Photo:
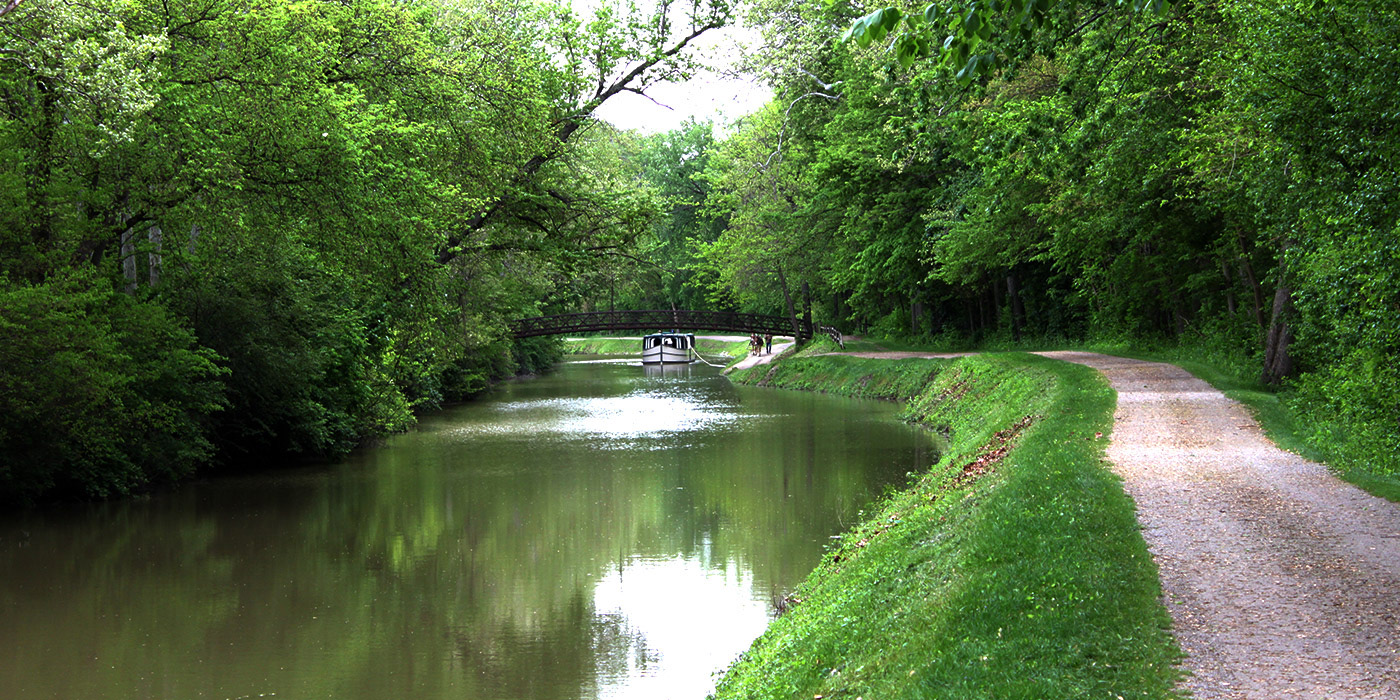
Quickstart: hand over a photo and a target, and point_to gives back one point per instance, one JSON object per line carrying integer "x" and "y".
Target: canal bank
{"x": 713, "y": 347}
{"x": 1012, "y": 568}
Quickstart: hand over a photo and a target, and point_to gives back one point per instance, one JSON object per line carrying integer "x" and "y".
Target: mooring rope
{"x": 702, "y": 359}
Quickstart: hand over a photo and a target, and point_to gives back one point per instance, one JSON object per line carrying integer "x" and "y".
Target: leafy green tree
{"x": 620, "y": 49}
{"x": 100, "y": 394}
{"x": 343, "y": 203}
{"x": 763, "y": 255}
{"x": 972, "y": 40}
{"x": 1322, "y": 163}
{"x": 674, "y": 164}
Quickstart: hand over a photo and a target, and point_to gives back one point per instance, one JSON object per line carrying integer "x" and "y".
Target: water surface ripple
{"x": 605, "y": 531}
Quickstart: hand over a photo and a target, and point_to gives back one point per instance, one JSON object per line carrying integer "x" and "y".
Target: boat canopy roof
{"x": 675, "y": 340}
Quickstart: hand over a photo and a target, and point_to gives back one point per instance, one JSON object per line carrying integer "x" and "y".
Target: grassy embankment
{"x": 1014, "y": 568}
{"x": 1235, "y": 375}
{"x": 709, "y": 347}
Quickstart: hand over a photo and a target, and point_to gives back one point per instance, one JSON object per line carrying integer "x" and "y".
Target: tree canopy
{"x": 1214, "y": 174}
{"x": 234, "y": 232}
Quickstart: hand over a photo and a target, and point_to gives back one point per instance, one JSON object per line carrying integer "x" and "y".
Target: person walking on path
{"x": 768, "y": 344}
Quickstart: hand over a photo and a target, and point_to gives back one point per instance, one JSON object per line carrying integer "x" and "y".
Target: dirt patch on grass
{"x": 990, "y": 455}
{"x": 1282, "y": 580}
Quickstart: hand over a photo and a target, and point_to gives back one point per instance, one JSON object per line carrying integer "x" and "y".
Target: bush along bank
{"x": 1014, "y": 568}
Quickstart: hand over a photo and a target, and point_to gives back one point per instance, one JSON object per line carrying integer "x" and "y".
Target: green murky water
{"x": 607, "y": 531}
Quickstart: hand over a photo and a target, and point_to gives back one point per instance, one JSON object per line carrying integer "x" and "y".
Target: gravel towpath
{"x": 1282, "y": 580}
{"x": 755, "y": 360}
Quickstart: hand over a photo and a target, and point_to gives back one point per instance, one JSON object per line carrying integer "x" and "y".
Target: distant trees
{"x": 270, "y": 230}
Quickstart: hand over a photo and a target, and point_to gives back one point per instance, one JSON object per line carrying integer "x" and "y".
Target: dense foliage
{"x": 1217, "y": 174}
{"x": 233, "y": 232}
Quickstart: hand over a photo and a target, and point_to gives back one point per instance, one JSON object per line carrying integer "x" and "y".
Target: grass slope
{"x": 709, "y": 347}
{"x": 1012, "y": 569}
{"x": 894, "y": 380}
{"x": 1233, "y": 373}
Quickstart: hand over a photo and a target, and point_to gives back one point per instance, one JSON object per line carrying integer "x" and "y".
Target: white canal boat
{"x": 668, "y": 348}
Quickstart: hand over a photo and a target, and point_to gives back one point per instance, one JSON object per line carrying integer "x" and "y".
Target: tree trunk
{"x": 1278, "y": 361}
{"x": 128, "y": 258}
{"x": 1257, "y": 300}
{"x": 1229, "y": 288}
{"x": 1251, "y": 281}
{"x": 807, "y": 308}
{"x": 996, "y": 306}
{"x": 916, "y": 317}
{"x": 41, "y": 165}
{"x": 1018, "y": 311}
{"x": 982, "y": 319}
{"x": 153, "y": 260}
{"x": 787, "y": 297}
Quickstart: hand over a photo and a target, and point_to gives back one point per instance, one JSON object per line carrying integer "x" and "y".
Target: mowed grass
{"x": 895, "y": 380}
{"x": 1233, "y": 373}
{"x": 1014, "y": 568}
{"x": 708, "y": 347}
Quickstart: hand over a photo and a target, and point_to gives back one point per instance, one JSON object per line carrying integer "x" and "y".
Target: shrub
{"x": 1352, "y": 410}
{"x": 100, "y": 394}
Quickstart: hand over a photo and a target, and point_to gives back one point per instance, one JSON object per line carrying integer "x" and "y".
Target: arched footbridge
{"x": 660, "y": 319}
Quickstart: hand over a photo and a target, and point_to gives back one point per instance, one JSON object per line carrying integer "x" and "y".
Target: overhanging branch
{"x": 564, "y": 129}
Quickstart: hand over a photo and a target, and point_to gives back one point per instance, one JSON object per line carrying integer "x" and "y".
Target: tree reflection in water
{"x": 595, "y": 533}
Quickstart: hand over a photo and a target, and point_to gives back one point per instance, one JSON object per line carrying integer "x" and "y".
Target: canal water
{"x": 605, "y": 531}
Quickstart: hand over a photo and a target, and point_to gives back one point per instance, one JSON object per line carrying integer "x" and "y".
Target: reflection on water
{"x": 601, "y": 532}
{"x": 667, "y": 370}
{"x": 673, "y": 606}
{"x": 613, "y": 422}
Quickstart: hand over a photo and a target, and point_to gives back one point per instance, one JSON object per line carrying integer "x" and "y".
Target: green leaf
{"x": 889, "y": 18}
{"x": 972, "y": 22}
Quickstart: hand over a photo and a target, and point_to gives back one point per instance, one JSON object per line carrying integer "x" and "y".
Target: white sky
{"x": 708, "y": 96}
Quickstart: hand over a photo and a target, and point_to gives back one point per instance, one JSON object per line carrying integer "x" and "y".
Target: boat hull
{"x": 666, "y": 355}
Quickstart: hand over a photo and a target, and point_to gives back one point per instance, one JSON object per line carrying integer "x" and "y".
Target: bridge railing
{"x": 835, "y": 335}
{"x": 658, "y": 319}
